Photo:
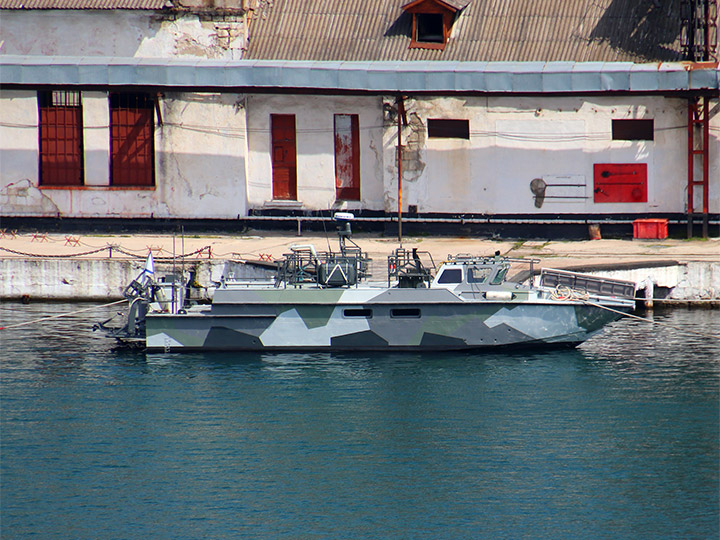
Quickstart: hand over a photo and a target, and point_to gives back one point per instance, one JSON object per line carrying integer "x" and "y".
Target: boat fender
{"x": 499, "y": 295}
{"x": 162, "y": 299}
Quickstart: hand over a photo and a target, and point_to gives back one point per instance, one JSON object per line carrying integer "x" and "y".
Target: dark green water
{"x": 617, "y": 439}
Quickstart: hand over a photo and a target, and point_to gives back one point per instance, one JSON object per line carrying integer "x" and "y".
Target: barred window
{"x": 61, "y": 138}
{"x": 132, "y": 146}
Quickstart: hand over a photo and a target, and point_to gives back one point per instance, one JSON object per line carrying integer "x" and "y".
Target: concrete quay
{"x": 97, "y": 267}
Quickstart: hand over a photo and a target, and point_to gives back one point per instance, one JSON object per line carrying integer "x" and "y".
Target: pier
{"x": 58, "y": 267}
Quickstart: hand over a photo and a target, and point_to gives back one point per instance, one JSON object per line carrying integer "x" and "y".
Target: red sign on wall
{"x": 620, "y": 182}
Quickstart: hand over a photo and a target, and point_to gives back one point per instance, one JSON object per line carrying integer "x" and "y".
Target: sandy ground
{"x": 269, "y": 246}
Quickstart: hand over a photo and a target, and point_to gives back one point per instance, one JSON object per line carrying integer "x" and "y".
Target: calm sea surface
{"x": 616, "y": 439}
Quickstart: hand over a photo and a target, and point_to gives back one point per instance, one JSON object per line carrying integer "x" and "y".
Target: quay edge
{"x": 667, "y": 283}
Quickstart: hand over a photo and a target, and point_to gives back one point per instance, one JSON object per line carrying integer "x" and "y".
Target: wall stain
{"x": 24, "y": 194}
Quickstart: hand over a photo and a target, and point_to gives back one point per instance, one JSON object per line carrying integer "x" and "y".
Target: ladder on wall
{"x": 698, "y": 164}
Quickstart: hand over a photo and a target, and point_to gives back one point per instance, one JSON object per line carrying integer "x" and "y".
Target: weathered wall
{"x": 558, "y": 139}
{"x": 66, "y": 279}
{"x": 213, "y": 156}
{"x": 126, "y": 33}
{"x": 314, "y": 125}
{"x": 200, "y": 161}
{"x": 105, "y": 279}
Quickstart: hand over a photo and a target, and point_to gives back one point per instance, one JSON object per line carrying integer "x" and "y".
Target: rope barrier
{"x": 61, "y": 315}
{"x": 181, "y": 256}
{"x": 36, "y": 255}
{"x": 111, "y": 250}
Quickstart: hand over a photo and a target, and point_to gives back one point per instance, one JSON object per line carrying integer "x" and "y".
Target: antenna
{"x": 182, "y": 263}
{"x": 327, "y": 236}
{"x": 174, "y": 275}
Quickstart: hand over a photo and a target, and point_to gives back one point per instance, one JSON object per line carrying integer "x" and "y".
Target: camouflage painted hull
{"x": 374, "y": 319}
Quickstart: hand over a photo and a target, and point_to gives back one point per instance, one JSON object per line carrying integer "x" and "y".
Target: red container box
{"x": 650, "y": 228}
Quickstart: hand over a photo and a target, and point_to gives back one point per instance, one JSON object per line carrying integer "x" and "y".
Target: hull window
{"x": 359, "y": 313}
{"x": 405, "y": 313}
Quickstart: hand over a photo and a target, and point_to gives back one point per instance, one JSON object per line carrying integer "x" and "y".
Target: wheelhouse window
{"x": 500, "y": 276}
{"x": 61, "y": 138}
{"x": 132, "y": 147}
{"x": 451, "y": 275}
{"x": 479, "y": 274}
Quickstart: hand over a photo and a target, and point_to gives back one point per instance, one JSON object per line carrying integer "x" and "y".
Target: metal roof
{"x": 85, "y": 4}
{"x": 359, "y": 77}
{"x": 485, "y": 30}
{"x": 455, "y": 4}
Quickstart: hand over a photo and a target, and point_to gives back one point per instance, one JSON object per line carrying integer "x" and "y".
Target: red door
{"x": 347, "y": 157}
{"x": 284, "y": 156}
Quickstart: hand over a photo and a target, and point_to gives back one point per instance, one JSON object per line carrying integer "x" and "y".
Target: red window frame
{"x": 60, "y": 138}
{"x": 132, "y": 139}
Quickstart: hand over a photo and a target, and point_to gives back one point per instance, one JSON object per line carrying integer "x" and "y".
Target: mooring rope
{"x": 61, "y": 315}
{"x": 563, "y": 292}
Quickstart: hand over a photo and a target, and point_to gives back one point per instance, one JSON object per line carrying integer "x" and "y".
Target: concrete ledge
{"x": 66, "y": 279}
{"x": 60, "y": 279}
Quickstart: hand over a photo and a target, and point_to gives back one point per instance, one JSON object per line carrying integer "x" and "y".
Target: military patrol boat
{"x": 327, "y": 302}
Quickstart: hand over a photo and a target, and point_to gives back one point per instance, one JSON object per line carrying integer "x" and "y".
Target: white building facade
{"x": 197, "y": 140}
{"x": 163, "y": 119}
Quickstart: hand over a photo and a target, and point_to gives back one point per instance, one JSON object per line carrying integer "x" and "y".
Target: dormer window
{"x": 432, "y": 21}
{"x": 429, "y": 28}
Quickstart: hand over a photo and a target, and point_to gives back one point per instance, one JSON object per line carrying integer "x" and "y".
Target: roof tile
{"x": 84, "y": 4}
{"x": 487, "y": 30}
